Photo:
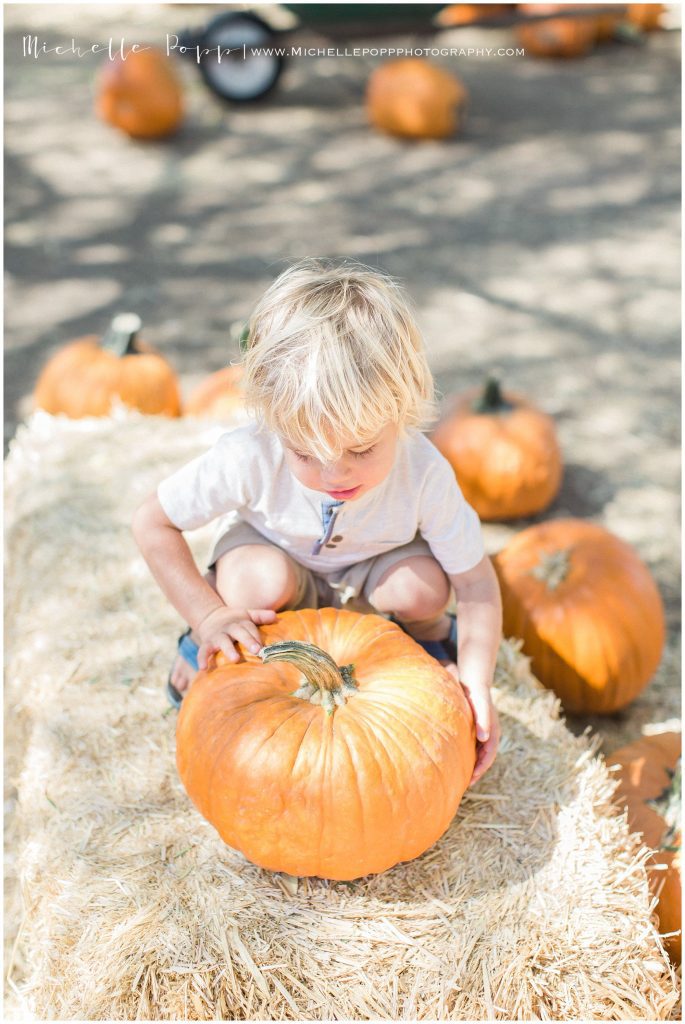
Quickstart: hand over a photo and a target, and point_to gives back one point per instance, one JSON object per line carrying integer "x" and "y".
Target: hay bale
{"x": 534, "y": 905}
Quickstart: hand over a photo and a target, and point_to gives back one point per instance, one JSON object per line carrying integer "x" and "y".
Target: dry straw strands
{"x": 534, "y": 905}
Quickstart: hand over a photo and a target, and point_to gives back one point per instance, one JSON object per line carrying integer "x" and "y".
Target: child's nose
{"x": 335, "y": 472}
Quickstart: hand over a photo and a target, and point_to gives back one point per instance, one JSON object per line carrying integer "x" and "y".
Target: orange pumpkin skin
{"x": 557, "y": 37}
{"x": 645, "y": 774}
{"x": 141, "y": 95}
{"x": 413, "y": 99}
{"x": 596, "y": 632}
{"x": 645, "y": 16}
{"x": 506, "y": 459}
{"x": 467, "y": 14}
{"x": 336, "y": 795}
{"x": 218, "y": 397}
{"x": 83, "y": 379}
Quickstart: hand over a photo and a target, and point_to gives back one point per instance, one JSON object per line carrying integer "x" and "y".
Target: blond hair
{"x": 334, "y": 351}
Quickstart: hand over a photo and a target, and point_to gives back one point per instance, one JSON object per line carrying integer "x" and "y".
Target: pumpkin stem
{"x": 491, "y": 401}
{"x": 324, "y": 682}
{"x": 553, "y": 568}
{"x": 120, "y": 337}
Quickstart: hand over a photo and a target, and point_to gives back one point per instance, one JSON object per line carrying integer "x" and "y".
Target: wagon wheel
{"x": 239, "y": 76}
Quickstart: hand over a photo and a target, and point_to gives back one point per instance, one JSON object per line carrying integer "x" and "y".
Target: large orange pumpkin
{"x": 218, "y": 397}
{"x": 588, "y": 611}
{"x": 503, "y": 450}
{"x": 650, "y": 791}
{"x": 556, "y": 37}
{"x": 87, "y": 375}
{"x": 414, "y": 99}
{"x": 141, "y": 95}
{"x": 341, "y": 751}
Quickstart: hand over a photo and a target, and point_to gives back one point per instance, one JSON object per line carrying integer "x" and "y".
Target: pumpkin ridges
{"x": 82, "y": 379}
{"x": 507, "y": 463}
{"x": 589, "y": 612}
{"x": 290, "y": 771}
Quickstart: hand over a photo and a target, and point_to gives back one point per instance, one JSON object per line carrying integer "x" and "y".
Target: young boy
{"x": 331, "y": 496}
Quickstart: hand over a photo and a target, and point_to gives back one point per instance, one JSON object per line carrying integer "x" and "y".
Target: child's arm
{"x": 173, "y": 566}
{"x": 479, "y": 618}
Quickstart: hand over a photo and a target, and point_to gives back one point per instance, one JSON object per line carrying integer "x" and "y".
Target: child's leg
{"x": 416, "y": 591}
{"x": 249, "y": 576}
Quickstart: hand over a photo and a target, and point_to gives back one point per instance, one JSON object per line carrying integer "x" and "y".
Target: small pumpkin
{"x": 645, "y": 16}
{"x": 218, "y": 397}
{"x": 340, "y": 751}
{"x": 87, "y": 375}
{"x": 588, "y": 611}
{"x": 503, "y": 450}
{"x": 556, "y": 37}
{"x": 140, "y": 94}
{"x": 650, "y": 791}
{"x": 413, "y": 99}
{"x": 468, "y": 14}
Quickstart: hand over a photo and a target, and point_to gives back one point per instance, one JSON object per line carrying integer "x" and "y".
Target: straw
{"x": 127, "y": 905}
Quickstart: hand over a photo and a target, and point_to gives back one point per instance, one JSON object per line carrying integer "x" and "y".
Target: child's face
{"x": 363, "y": 466}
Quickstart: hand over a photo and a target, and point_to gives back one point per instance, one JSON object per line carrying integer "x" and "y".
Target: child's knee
{"x": 256, "y": 576}
{"x": 413, "y": 590}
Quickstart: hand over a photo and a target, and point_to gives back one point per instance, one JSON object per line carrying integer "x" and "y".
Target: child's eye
{"x": 303, "y": 458}
{"x": 366, "y": 452}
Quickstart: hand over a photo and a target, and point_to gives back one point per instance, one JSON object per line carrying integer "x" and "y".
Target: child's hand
{"x": 224, "y": 625}
{"x": 487, "y": 724}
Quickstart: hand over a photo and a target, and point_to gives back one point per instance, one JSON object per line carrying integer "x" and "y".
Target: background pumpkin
{"x": 588, "y": 611}
{"x": 371, "y": 778}
{"x": 650, "y": 791}
{"x": 645, "y": 16}
{"x": 218, "y": 397}
{"x": 556, "y": 37}
{"x": 503, "y": 450}
{"x": 84, "y": 377}
{"x": 414, "y": 99}
{"x": 141, "y": 95}
{"x": 467, "y": 14}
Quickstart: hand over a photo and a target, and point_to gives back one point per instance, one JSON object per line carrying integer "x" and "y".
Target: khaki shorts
{"x": 349, "y": 588}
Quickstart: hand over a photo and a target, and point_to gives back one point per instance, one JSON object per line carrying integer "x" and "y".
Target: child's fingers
{"x": 262, "y": 615}
{"x": 203, "y": 653}
{"x": 226, "y": 645}
{"x": 248, "y": 635}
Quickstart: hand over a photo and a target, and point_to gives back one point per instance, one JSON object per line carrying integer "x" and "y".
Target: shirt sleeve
{"x": 208, "y": 486}
{"x": 447, "y": 522}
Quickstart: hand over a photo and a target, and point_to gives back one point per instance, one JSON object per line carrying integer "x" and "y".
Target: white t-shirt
{"x": 245, "y": 475}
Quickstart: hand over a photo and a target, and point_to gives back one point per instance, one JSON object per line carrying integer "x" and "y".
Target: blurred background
{"x": 539, "y": 238}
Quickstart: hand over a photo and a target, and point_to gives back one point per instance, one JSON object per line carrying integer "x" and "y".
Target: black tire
{"x": 239, "y": 77}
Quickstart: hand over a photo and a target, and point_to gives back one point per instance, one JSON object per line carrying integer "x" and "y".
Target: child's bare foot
{"x": 183, "y": 669}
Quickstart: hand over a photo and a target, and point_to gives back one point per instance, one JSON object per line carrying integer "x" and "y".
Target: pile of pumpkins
{"x": 141, "y": 94}
{"x": 411, "y": 98}
{"x": 586, "y": 607}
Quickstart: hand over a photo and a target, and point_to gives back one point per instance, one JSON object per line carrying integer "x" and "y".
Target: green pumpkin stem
{"x": 324, "y": 682}
{"x": 491, "y": 400}
{"x": 553, "y": 568}
{"x": 121, "y": 335}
